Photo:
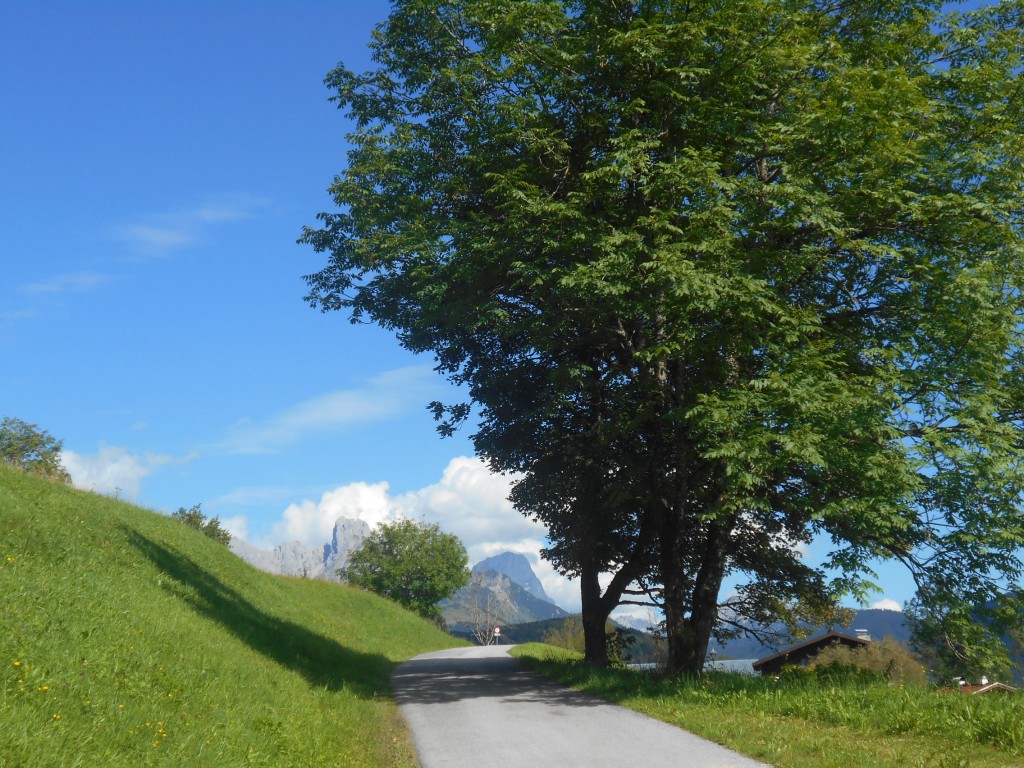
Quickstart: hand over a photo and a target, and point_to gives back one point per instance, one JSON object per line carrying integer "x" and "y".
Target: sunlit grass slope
{"x": 128, "y": 639}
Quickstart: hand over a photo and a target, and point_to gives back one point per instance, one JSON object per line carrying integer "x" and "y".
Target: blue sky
{"x": 159, "y": 161}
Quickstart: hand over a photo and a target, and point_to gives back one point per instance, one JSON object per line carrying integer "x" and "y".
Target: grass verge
{"x": 812, "y": 722}
{"x": 129, "y": 639}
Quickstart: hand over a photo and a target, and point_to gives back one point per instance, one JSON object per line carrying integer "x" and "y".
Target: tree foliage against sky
{"x": 32, "y": 449}
{"x": 719, "y": 278}
{"x": 415, "y": 564}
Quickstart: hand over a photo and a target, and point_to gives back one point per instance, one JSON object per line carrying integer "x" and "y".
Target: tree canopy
{"x": 415, "y": 564}
{"x": 31, "y": 449}
{"x": 720, "y": 278}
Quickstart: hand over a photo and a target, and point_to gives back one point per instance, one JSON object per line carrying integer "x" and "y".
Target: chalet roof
{"x": 974, "y": 690}
{"x": 809, "y": 647}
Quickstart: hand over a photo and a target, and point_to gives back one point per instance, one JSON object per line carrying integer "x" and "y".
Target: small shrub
{"x": 568, "y": 634}
{"x": 619, "y": 643}
{"x": 194, "y": 518}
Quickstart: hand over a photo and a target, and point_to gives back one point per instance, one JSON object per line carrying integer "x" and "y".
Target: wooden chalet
{"x": 801, "y": 654}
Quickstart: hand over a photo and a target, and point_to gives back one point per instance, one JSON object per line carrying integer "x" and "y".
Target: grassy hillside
{"x": 128, "y": 639}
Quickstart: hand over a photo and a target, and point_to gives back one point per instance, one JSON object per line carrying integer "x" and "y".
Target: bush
{"x": 194, "y": 518}
{"x": 886, "y": 658}
{"x": 569, "y": 635}
{"x": 26, "y": 447}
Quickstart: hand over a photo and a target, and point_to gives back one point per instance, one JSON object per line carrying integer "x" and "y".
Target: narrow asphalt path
{"x": 480, "y": 707}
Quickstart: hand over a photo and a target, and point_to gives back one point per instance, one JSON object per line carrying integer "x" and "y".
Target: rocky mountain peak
{"x": 516, "y": 567}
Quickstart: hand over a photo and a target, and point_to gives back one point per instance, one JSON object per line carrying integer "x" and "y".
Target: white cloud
{"x": 237, "y": 526}
{"x": 9, "y": 318}
{"x": 382, "y": 397}
{"x": 312, "y": 523}
{"x": 71, "y": 282}
{"x": 887, "y": 605}
{"x": 159, "y": 234}
{"x": 637, "y": 616}
{"x": 468, "y": 501}
{"x": 256, "y": 494}
{"x": 472, "y": 502}
{"x": 112, "y": 470}
{"x": 153, "y": 240}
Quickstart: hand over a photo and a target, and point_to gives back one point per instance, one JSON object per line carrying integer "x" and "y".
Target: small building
{"x": 971, "y": 689}
{"x": 801, "y": 654}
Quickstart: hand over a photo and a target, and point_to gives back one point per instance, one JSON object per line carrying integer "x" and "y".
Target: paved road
{"x": 478, "y": 707}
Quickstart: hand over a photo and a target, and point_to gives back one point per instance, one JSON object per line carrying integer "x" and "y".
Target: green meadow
{"x": 814, "y": 721}
{"x": 129, "y": 639}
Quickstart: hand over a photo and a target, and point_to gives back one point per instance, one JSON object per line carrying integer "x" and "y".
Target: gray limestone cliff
{"x": 295, "y": 559}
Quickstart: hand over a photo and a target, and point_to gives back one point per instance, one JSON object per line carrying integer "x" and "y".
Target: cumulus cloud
{"x": 468, "y": 500}
{"x": 382, "y": 397}
{"x": 887, "y": 605}
{"x": 112, "y": 470}
{"x": 312, "y": 522}
{"x": 237, "y": 526}
{"x": 472, "y": 502}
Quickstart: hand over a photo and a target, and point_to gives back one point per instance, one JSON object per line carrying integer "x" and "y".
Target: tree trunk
{"x": 595, "y": 617}
{"x": 597, "y": 605}
{"x": 689, "y": 636}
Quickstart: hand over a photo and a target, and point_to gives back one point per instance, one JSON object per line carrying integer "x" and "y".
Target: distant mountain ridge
{"x": 503, "y": 591}
{"x": 492, "y": 598}
{"x": 879, "y": 624}
{"x": 295, "y": 559}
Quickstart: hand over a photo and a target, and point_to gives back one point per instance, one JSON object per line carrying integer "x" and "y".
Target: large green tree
{"x": 719, "y": 277}
{"x": 415, "y": 564}
{"x": 32, "y": 449}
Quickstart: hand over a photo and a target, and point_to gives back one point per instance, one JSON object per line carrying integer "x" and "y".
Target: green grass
{"x": 129, "y": 639}
{"x": 812, "y": 722}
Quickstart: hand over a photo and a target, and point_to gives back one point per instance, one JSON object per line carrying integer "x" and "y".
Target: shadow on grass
{"x": 323, "y": 662}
